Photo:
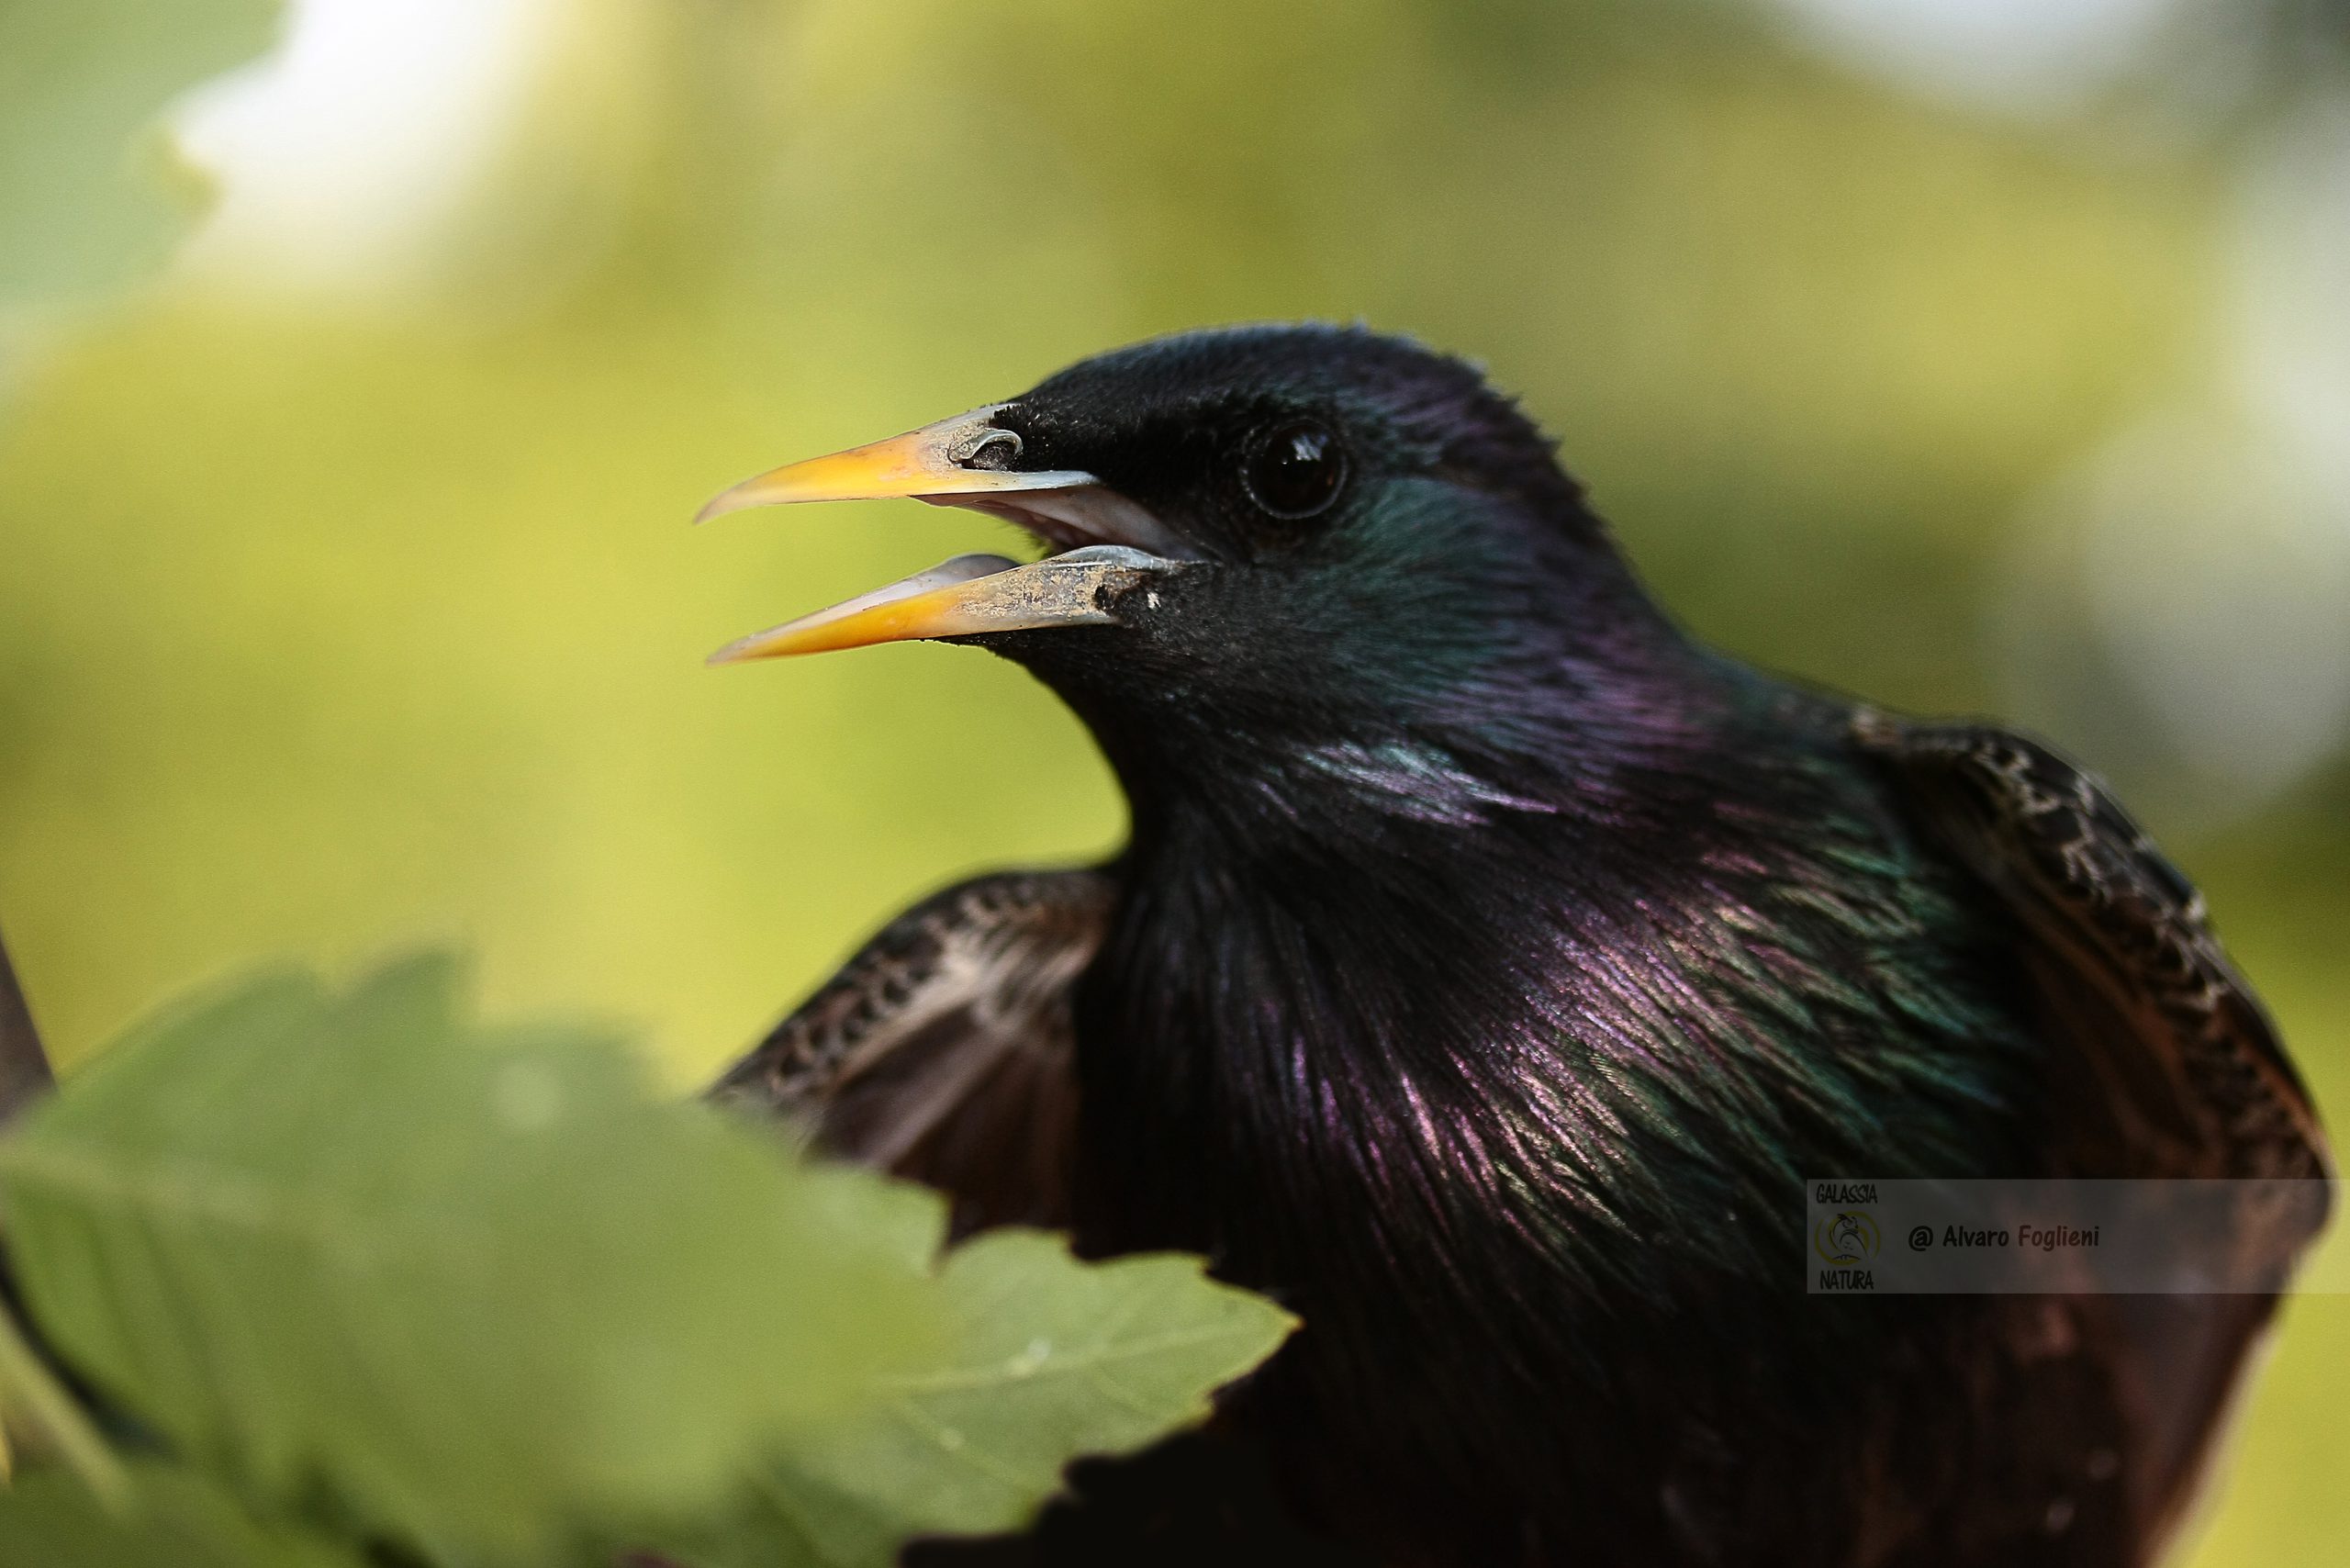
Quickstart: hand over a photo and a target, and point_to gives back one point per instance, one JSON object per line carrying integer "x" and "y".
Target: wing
{"x": 2166, "y": 1065}
{"x": 944, "y": 1051}
{"x": 2121, "y": 951}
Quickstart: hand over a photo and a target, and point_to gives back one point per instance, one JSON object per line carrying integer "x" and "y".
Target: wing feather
{"x": 2169, "y": 1023}
{"x": 943, "y": 1050}
{"x": 2167, "y": 1064}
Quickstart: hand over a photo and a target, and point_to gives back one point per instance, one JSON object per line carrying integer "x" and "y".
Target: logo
{"x": 1847, "y": 1238}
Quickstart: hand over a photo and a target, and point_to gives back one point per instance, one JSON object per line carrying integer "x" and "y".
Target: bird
{"x": 1490, "y": 965}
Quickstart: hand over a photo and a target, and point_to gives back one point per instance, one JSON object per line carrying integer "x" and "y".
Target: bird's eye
{"x": 1294, "y": 469}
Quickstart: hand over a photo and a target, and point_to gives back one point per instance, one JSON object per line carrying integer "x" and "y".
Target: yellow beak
{"x": 967, "y": 595}
{"x": 961, "y": 462}
{"x": 967, "y": 455}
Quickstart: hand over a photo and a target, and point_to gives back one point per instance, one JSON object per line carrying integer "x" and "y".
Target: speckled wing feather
{"x": 2167, "y": 1065}
{"x": 2212, "y": 1091}
{"x": 943, "y": 1050}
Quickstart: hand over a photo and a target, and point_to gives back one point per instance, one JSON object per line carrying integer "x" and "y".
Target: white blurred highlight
{"x": 2208, "y": 547}
{"x": 2216, "y": 571}
{"x": 2022, "y": 55}
{"x": 343, "y": 156}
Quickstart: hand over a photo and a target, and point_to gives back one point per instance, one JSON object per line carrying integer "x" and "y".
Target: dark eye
{"x": 1294, "y": 468}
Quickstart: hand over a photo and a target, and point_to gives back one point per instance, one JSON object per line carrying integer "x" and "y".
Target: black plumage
{"x": 1489, "y": 966}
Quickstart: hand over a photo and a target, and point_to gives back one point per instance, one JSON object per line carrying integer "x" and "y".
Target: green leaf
{"x": 84, "y": 200}
{"x": 1050, "y": 1358}
{"x": 35, "y": 1404}
{"x": 485, "y": 1285}
{"x": 481, "y": 1289}
{"x": 174, "y": 1520}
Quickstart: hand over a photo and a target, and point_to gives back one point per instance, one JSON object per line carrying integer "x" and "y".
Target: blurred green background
{"x": 1971, "y": 355}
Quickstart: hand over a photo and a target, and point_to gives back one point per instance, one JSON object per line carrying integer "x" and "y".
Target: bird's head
{"x": 1296, "y": 537}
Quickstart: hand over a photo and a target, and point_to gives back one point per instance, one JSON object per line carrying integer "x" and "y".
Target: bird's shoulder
{"x": 2107, "y": 911}
{"x": 2164, "y": 1066}
{"x": 943, "y": 1050}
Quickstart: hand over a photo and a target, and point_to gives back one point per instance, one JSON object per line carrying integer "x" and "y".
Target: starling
{"x": 1490, "y": 965}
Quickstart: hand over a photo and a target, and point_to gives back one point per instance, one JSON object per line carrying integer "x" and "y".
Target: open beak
{"x": 1106, "y": 544}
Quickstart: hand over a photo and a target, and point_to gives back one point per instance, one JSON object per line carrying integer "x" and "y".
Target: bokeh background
{"x": 1976, "y": 355}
